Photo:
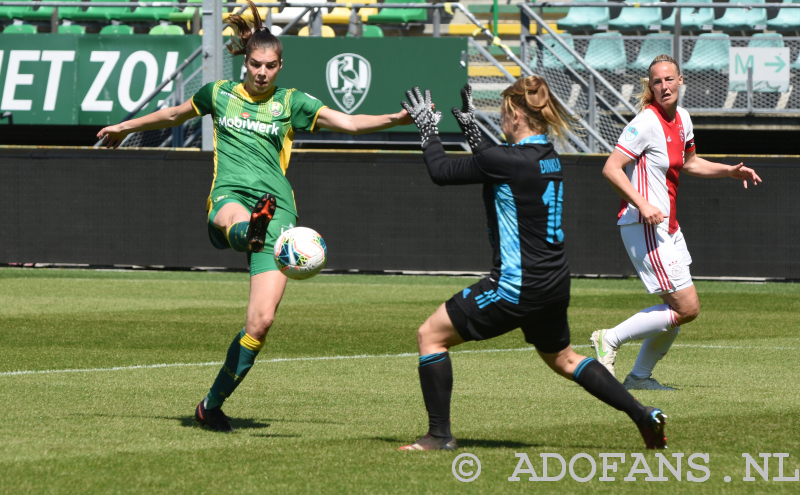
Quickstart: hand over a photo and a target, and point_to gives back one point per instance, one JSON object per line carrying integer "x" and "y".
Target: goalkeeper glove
{"x": 466, "y": 120}
{"x": 421, "y": 111}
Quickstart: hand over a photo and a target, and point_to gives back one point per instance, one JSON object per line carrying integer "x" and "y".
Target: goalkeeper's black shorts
{"x": 478, "y": 313}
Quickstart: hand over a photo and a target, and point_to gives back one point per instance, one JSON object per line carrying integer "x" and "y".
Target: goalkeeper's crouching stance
{"x": 528, "y": 287}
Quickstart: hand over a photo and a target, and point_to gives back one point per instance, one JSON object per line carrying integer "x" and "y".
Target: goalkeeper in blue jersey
{"x": 529, "y": 283}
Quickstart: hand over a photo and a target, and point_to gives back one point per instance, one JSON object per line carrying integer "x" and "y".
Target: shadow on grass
{"x": 313, "y": 421}
{"x": 236, "y": 423}
{"x": 470, "y": 442}
{"x": 268, "y": 435}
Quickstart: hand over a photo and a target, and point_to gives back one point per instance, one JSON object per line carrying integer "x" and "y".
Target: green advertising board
{"x": 371, "y": 75}
{"x": 98, "y": 80}
{"x": 88, "y": 79}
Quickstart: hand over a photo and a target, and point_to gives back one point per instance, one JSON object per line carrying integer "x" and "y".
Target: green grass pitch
{"x": 95, "y": 414}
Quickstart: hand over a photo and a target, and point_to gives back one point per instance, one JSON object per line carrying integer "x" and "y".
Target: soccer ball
{"x": 300, "y": 253}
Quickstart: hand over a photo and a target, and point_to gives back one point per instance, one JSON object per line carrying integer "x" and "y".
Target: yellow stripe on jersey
{"x": 314, "y": 128}
{"x": 218, "y": 84}
{"x": 253, "y": 99}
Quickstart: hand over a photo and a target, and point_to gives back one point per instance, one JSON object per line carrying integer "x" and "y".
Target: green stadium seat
{"x": 766, "y": 40}
{"x": 633, "y": 19}
{"x": 399, "y": 16}
{"x": 655, "y": 44}
{"x": 741, "y": 19}
{"x": 710, "y": 53}
{"x": 46, "y": 13}
{"x": 167, "y": 29}
{"x": 150, "y": 14}
{"x": 20, "y": 29}
{"x": 549, "y": 61}
{"x": 787, "y": 20}
{"x": 187, "y": 14}
{"x": 101, "y": 14}
{"x": 691, "y": 19}
{"x": 71, "y": 29}
{"x": 606, "y": 51}
{"x": 585, "y": 18}
{"x": 368, "y": 31}
{"x": 116, "y": 29}
{"x": 14, "y": 12}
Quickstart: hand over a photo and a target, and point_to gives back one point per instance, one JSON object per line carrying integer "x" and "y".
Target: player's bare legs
{"x": 437, "y": 334}
{"x": 266, "y": 292}
{"x": 435, "y": 337}
{"x": 684, "y": 303}
{"x": 563, "y": 362}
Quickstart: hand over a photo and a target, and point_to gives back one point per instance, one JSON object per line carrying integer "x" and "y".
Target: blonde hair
{"x": 645, "y": 97}
{"x": 541, "y": 111}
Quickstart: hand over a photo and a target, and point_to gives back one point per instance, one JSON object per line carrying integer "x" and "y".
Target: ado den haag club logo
{"x": 348, "y": 76}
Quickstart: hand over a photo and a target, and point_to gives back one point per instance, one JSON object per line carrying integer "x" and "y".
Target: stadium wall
{"x": 376, "y": 211}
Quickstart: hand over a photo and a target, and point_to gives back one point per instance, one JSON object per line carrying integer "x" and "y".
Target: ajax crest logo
{"x": 348, "y": 76}
{"x": 275, "y": 108}
{"x": 683, "y": 138}
{"x": 631, "y": 133}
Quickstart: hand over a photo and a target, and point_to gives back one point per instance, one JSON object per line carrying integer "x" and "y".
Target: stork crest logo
{"x": 348, "y": 76}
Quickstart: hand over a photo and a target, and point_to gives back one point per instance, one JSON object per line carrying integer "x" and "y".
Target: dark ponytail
{"x": 260, "y": 38}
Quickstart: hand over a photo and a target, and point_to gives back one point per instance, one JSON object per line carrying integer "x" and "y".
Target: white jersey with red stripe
{"x": 658, "y": 147}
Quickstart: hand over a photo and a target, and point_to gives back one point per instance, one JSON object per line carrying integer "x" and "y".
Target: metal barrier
{"x": 617, "y": 64}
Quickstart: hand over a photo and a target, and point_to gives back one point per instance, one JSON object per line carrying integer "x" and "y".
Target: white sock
{"x": 646, "y": 323}
{"x": 653, "y": 349}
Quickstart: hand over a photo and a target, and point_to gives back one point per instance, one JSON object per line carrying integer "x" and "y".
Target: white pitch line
{"x": 358, "y": 356}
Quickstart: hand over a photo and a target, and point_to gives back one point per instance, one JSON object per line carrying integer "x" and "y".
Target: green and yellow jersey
{"x": 253, "y": 137}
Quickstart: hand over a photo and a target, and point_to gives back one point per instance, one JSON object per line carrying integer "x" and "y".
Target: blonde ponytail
{"x": 542, "y": 112}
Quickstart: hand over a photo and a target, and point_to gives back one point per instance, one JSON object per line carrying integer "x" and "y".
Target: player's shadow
{"x": 470, "y": 442}
{"x": 236, "y": 423}
{"x": 313, "y": 421}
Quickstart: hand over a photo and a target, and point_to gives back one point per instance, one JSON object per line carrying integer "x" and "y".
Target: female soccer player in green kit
{"x": 254, "y": 125}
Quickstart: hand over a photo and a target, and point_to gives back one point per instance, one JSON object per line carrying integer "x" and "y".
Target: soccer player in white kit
{"x": 643, "y": 169}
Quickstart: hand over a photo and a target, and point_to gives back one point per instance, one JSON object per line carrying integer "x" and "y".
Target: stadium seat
{"x": 341, "y": 15}
{"x": 655, "y": 44}
{"x": 14, "y": 12}
{"x": 692, "y": 20}
{"x": 399, "y": 16}
{"x": 550, "y": 61}
{"x": 187, "y": 14}
{"x": 787, "y": 20}
{"x": 634, "y": 19}
{"x": 368, "y": 31}
{"x": 99, "y": 14}
{"x": 766, "y": 40}
{"x": 71, "y": 29}
{"x": 20, "y": 29}
{"x": 606, "y": 51}
{"x": 167, "y": 29}
{"x": 150, "y": 14}
{"x": 46, "y": 13}
{"x": 741, "y": 19}
{"x": 586, "y": 18}
{"x": 289, "y": 14}
{"x": 710, "y": 53}
{"x": 327, "y": 32}
{"x": 116, "y": 29}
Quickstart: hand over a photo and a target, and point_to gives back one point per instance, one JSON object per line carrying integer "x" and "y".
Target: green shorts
{"x": 282, "y": 221}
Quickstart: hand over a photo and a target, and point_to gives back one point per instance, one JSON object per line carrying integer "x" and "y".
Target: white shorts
{"x": 661, "y": 258}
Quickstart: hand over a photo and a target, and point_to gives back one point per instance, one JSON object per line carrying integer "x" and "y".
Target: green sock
{"x": 237, "y": 237}
{"x": 241, "y": 356}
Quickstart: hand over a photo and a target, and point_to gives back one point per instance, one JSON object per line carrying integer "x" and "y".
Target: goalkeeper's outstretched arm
{"x": 113, "y": 135}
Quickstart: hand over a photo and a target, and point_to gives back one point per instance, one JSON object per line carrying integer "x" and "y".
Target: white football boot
{"x": 605, "y": 352}
{"x": 649, "y": 383}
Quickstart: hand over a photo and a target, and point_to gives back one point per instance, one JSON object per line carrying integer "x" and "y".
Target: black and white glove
{"x": 466, "y": 120}
{"x": 421, "y": 110}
